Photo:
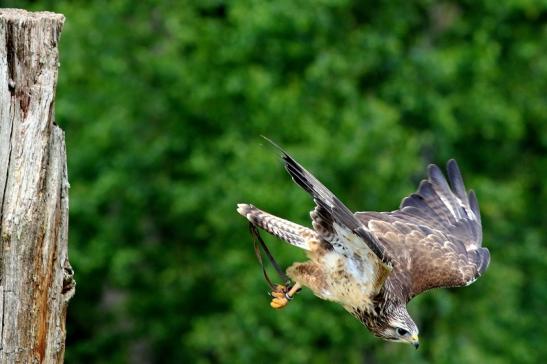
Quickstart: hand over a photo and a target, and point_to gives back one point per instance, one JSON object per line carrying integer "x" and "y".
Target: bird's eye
{"x": 401, "y": 332}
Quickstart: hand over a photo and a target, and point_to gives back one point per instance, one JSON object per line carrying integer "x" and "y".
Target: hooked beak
{"x": 415, "y": 341}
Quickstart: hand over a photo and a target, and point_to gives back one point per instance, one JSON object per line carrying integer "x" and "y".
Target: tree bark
{"x": 35, "y": 274}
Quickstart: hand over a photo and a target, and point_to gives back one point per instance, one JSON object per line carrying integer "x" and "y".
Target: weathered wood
{"x": 35, "y": 275}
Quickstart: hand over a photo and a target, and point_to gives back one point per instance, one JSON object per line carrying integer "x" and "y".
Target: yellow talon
{"x": 282, "y": 295}
{"x": 278, "y": 303}
{"x": 279, "y": 291}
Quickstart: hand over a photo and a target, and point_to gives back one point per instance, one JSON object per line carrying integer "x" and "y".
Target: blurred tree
{"x": 163, "y": 103}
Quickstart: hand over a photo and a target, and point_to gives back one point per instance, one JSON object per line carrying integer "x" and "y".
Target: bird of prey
{"x": 374, "y": 263}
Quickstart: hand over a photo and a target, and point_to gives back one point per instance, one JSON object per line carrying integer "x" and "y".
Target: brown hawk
{"x": 374, "y": 263}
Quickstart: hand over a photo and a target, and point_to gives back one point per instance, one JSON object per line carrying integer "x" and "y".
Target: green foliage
{"x": 163, "y": 103}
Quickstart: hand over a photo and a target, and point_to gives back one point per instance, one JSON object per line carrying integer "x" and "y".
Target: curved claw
{"x": 282, "y": 295}
{"x": 279, "y": 303}
{"x": 279, "y": 291}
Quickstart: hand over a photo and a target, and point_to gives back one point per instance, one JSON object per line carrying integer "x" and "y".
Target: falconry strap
{"x": 259, "y": 246}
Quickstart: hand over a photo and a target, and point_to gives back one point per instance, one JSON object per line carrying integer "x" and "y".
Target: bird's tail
{"x": 292, "y": 233}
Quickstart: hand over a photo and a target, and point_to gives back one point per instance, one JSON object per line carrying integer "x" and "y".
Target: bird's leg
{"x": 293, "y": 290}
{"x": 282, "y": 295}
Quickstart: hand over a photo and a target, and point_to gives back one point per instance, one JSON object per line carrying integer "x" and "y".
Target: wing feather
{"x": 456, "y": 180}
{"x": 435, "y": 237}
{"x": 330, "y": 209}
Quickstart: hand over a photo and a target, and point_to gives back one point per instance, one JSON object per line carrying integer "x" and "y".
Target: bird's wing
{"x": 337, "y": 225}
{"x": 435, "y": 237}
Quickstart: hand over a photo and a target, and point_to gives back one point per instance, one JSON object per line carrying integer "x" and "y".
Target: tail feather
{"x": 292, "y": 233}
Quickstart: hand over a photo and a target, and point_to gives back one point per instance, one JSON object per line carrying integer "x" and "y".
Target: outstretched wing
{"x": 435, "y": 237}
{"x": 337, "y": 225}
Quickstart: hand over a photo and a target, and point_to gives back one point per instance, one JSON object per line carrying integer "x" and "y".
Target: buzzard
{"x": 374, "y": 263}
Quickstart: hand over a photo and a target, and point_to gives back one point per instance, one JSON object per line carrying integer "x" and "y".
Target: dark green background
{"x": 163, "y": 103}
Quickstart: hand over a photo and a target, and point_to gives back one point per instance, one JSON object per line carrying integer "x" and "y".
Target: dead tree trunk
{"x": 35, "y": 275}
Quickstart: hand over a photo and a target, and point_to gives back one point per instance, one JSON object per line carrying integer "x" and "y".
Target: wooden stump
{"x": 35, "y": 274}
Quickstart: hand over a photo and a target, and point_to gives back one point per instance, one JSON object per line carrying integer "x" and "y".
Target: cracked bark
{"x": 35, "y": 274}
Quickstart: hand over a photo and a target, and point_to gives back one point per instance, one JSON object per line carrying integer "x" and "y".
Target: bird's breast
{"x": 349, "y": 280}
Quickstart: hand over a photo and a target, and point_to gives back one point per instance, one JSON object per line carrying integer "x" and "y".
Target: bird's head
{"x": 393, "y": 324}
{"x": 400, "y": 327}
